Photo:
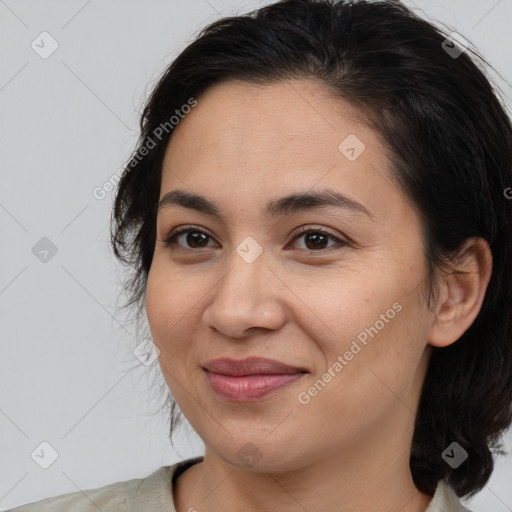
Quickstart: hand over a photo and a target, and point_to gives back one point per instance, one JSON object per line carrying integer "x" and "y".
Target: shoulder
{"x": 445, "y": 499}
{"x": 107, "y": 498}
{"x": 151, "y": 493}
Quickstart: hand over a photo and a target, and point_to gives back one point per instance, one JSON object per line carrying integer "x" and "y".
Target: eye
{"x": 316, "y": 237}
{"x": 195, "y": 237}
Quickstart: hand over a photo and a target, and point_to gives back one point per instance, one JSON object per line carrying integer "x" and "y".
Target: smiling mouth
{"x": 249, "y": 388}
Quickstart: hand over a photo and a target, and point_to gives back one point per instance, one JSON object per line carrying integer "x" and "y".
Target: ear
{"x": 461, "y": 292}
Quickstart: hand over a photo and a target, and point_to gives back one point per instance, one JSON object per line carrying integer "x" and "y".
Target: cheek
{"x": 174, "y": 309}
{"x": 165, "y": 305}
{"x": 371, "y": 380}
{"x": 374, "y": 357}
{"x": 156, "y": 299}
{"x": 373, "y": 321}
{"x": 346, "y": 304}
{"x": 168, "y": 318}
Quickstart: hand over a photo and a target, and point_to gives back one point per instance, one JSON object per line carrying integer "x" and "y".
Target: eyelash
{"x": 171, "y": 239}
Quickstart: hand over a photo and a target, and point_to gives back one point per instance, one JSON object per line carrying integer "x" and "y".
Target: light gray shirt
{"x": 154, "y": 494}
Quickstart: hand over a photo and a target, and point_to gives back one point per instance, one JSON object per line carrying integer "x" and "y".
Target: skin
{"x": 348, "y": 448}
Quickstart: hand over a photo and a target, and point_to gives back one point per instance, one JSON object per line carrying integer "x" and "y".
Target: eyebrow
{"x": 282, "y": 206}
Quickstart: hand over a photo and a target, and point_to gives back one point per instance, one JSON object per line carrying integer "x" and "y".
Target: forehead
{"x": 293, "y": 118}
{"x": 247, "y": 142}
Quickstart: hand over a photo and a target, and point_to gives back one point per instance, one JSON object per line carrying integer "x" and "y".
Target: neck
{"x": 363, "y": 477}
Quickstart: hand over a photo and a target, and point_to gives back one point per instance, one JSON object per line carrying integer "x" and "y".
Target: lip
{"x": 250, "y": 379}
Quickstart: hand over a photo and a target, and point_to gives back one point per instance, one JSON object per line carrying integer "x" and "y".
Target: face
{"x": 335, "y": 290}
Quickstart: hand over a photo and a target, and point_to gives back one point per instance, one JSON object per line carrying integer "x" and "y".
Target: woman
{"x": 318, "y": 221}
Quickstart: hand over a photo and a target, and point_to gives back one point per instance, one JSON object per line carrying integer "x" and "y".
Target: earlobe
{"x": 462, "y": 292}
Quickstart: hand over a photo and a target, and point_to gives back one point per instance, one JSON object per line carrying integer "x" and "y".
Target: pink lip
{"x": 250, "y": 366}
{"x": 249, "y": 379}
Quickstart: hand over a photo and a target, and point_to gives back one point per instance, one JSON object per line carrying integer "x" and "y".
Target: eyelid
{"x": 320, "y": 229}
{"x": 176, "y": 232}
{"x": 170, "y": 238}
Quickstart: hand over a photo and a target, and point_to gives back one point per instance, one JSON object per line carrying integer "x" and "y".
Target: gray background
{"x": 68, "y": 123}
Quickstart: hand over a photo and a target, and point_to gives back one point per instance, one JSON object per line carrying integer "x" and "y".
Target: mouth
{"x": 251, "y": 379}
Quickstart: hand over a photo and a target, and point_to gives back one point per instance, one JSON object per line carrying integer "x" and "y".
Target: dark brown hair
{"x": 450, "y": 144}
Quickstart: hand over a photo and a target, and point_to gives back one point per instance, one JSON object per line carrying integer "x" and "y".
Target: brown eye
{"x": 193, "y": 238}
{"x": 316, "y": 239}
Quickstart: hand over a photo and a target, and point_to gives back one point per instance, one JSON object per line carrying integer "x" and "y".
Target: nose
{"x": 248, "y": 296}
